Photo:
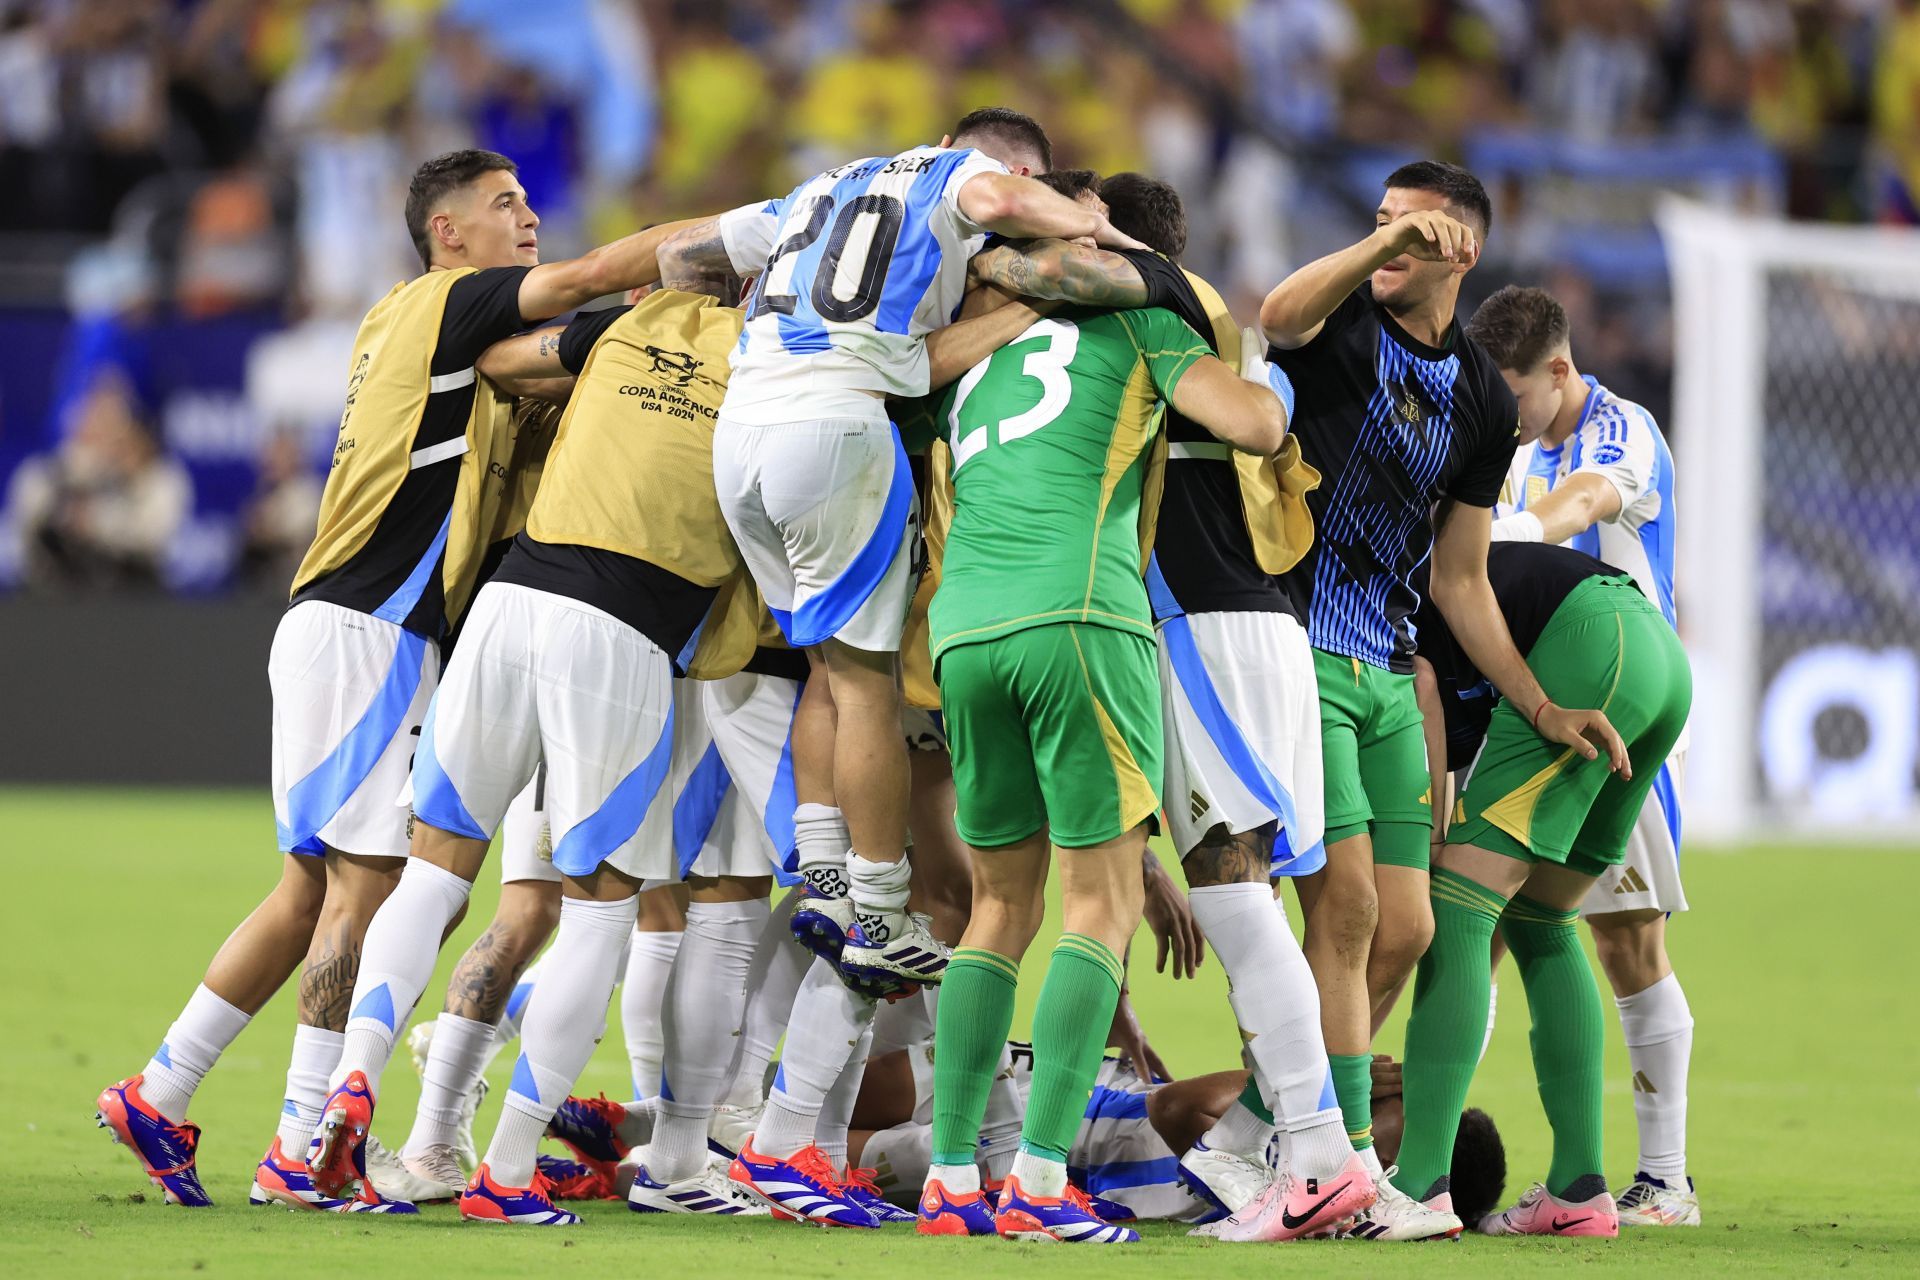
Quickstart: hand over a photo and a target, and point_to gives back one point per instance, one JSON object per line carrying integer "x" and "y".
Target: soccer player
{"x": 405, "y": 516}
{"x": 1533, "y": 831}
{"x": 855, "y": 268}
{"x": 1051, "y": 701}
{"x": 1240, "y": 711}
{"x": 1593, "y": 472}
{"x": 1399, "y": 411}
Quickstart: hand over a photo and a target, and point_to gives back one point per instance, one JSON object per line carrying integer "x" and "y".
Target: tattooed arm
{"x": 527, "y": 365}
{"x": 1061, "y": 271}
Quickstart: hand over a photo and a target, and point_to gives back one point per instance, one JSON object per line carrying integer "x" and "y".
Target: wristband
{"x": 1544, "y": 704}
{"x": 1521, "y": 526}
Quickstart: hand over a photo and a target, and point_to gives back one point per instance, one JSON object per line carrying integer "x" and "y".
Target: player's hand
{"x": 1588, "y": 732}
{"x": 1126, "y": 1036}
{"x": 1176, "y": 934}
{"x": 1430, "y": 236}
{"x": 1108, "y": 236}
{"x": 1387, "y": 1077}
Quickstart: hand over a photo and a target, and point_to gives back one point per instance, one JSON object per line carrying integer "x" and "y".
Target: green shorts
{"x": 1606, "y": 646}
{"x": 1056, "y": 727}
{"x": 1374, "y": 756}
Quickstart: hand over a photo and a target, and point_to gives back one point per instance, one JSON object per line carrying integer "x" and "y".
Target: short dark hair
{"x": 1009, "y": 126}
{"x": 1072, "y": 183}
{"x": 1519, "y": 326}
{"x": 1460, "y": 189}
{"x": 438, "y": 178}
{"x": 1147, "y": 209}
{"x": 1479, "y": 1172}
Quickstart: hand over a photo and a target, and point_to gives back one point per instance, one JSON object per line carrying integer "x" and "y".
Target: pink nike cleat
{"x": 1542, "y": 1214}
{"x": 1292, "y": 1208}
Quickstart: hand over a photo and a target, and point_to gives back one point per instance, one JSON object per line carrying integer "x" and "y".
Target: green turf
{"x": 1796, "y": 960}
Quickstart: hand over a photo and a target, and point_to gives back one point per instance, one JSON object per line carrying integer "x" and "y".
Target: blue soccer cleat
{"x": 800, "y": 1188}
{"x": 336, "y": 1156}
{"x": 948, "y": 1213}
{"x": 487, "y": 1201}
{"x": 590, "y": 1128}
{"x": 280, "y": 1179}
{"x": 165, "y": 1150}
{"x": 865, "y": 1192}
{"x": 1065, "y": 1219}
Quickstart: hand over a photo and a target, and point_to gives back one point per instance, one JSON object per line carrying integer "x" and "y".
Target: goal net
{"x": 1796, "y": 441}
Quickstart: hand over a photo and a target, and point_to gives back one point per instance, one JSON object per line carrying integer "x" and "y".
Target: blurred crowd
{"x": 194, "y": 158}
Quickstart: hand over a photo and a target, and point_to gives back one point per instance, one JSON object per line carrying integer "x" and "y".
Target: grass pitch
{"x": 1798, "y": 963}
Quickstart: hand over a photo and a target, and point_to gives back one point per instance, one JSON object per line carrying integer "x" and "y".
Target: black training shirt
{"x": 1393, "y": 426}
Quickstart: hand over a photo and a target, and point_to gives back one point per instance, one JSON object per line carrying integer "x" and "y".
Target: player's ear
{"x": 946, "y": 140}
{"x": 444, "y": 232}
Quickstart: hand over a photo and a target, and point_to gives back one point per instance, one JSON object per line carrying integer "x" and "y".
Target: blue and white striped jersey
{"x": 1619, "y": 440}
{"x": 855, "y": 268}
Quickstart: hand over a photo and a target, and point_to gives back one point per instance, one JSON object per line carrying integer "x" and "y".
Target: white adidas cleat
{"x": 1651, "y": 1202}
{"x": 397, "y": 1178}
{"x": 894, "y": 947}
{"x": 1396, "y": 1216}
{"x": 1224, "y": 1179}
{"x": 731, "y": 1126}
{"x": 709, "y": 1191}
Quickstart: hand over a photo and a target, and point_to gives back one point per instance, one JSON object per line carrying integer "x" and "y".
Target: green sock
{"x": 1070, "y": 1025}
{"x": 976, "y": 1012}
{"x": 1250, "y": 1098}
{"x": 1567, "y": 1031}
{"x": 1353, "y": 1088}
{"x": 1449, "y": 1021}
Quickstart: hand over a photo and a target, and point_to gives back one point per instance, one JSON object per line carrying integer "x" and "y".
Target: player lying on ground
{"x": 1536, "y": 825}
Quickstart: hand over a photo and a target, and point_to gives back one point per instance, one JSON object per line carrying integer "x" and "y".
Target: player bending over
{"x": 1593, "y": 472}
{"x": 1535, "y": 828}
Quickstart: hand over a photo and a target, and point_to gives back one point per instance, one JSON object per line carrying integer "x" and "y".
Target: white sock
{"x": 1659, "y": 1027}
{"x": 1038, "y": 1175}
{"x": 836, "y": 1113}
{"x": 820, "y": 848}
{"x": 1000, "y": 1123}
{"x": 1493, "y": 1011}
{"x": 879, "y": 893}
{"x": 1240, "y": 1131}
{"x": 643, "y": 995}
{"x": 773, "y": 981}
{"x": 315, "y": 1053}
{"x": 1371, "y": 1158}
{"x": 903, "y": 1024}
{"x": 396, "y": 963}
{"x": 456, "y": 1060}
{"x": 828, "y": 1021}
{"x": 1278, "y": 1006}
{"x": 561, "y": 1030}
{"x": 194, "y": 1043}
{"x": 960, "y": 1179}
{"x": 636, "y": 1130}
{"x": 706, "y": 999}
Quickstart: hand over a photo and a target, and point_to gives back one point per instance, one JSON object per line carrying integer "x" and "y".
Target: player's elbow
{"x": 992, "y": 200}
{"x": 1268, "y": 423}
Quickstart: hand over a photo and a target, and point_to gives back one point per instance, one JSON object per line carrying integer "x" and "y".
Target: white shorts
{"x": 751, "y": 719}
{"x": 827, "y": 519}
{"x": 925, "y": 730}
{"x": 542, "y": 676}
{"x": 715, "y": 833}
{"x": 1242, "y": 715}
{"x": 1649, "y": 879}
{"x": 350, "y": 692}
{"x": 526, "y": 840}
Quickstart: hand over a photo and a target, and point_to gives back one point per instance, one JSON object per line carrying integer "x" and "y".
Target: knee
{"x": 1010, "y": 919}
{"x": 302, "y": 890}
{"x": 524, "y": 922}
{"x": 1347, "y": 912}
{"x": 1632, "y": 948}
{"x": 357, "y": 887}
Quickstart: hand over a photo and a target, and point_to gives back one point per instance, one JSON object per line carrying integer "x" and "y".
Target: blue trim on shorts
{"x": 1669, "y": 805}
{"x": 1190, "y": 669}
{"x": 697, "y": 808}
{"x": 781, "y": 802}
{"x": 1108, "y": 1103}
{"x": 1301, "y": 864}
{"x": 619, "y": 816}
{"x": 1125, "y": 1175}
{"x": 436, "y": 801}
{"x": 1159, "y": 594}
{"x": 407, "y": 594}
{"x": 313, "y": 801}
{"x": 822, "y": 615}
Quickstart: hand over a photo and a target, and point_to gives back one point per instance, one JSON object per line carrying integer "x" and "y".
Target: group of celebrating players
{"x": 977, "y": 539}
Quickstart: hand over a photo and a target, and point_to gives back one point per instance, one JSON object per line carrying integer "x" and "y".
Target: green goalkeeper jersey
{"x": 1050, "y": 439}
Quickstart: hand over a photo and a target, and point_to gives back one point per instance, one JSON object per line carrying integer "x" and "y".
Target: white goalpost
{"x": 1796, "y": 438}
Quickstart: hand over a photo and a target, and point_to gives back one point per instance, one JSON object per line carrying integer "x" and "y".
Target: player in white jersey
{"x": 1593, "y": 472}
{"x": 856, "y": 266}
